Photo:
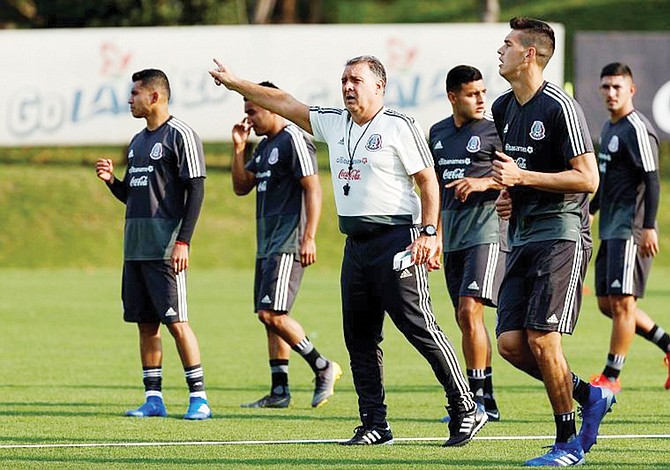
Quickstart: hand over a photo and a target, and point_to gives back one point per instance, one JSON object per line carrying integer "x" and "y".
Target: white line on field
{"x": 306, "y": 441}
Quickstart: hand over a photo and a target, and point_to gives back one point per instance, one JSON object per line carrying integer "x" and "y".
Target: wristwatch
{"x": 429, "y": 230}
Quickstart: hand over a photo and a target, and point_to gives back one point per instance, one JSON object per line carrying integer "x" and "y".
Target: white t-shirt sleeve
{"x": 412, "y": 148}
{"x": 323, "y": 121}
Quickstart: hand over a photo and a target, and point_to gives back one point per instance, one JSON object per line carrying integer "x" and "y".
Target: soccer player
{"x": 163, "y": 190}
{"x": 548, "y": 168}
{"x": 463, "y": 147}
{"x": 628, "y": 199}
{"x": 376, "y": 157}
{"x": 288, "y": 205}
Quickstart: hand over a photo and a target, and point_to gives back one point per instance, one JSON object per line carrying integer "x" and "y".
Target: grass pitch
{"x": 70, "y": 369}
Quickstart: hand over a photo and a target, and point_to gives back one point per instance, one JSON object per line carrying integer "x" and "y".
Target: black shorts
{"x": 542, "y": 287}
{"x": 152, "y": 292}
{"x": 276, "y": 282}
{"x": 620, "y": 270}
{"x": 475, "y": 272}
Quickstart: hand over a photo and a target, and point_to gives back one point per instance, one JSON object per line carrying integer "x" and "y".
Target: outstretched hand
{"x": 221, "y": 74}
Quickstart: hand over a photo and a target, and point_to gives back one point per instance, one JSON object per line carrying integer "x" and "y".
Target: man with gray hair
{"x": 376, "y": 157}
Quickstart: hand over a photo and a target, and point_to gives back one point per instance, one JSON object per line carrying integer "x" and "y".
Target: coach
{"x": 376, "y": 156}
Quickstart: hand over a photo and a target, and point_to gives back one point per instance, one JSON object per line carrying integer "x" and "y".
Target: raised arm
{"x": 277, "y": 101}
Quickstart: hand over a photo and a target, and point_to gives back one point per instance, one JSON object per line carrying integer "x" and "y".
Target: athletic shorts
{"x": 276, "y": 282}
{"x": 152, "y": 292}
{"x": 475, "y": 272}
{"x": 542, "y": 286}
{"x": 620, "y": 270}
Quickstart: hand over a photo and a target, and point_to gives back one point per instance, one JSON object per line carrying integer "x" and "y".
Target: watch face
{"x": 430, "y": 230}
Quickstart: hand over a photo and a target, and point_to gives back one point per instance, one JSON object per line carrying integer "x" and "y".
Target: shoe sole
{"x": 338, "y": 373}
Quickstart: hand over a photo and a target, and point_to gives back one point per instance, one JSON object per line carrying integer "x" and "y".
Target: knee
{"x": 268, "y": 318}
{"x": 509, "y": 350}
{"x": 179, "y": 330}
{"x": 466, "y": 321}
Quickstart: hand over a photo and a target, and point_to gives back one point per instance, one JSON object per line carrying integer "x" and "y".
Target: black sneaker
{"x": 491, "y": 409}
{"x": 369, "y": 436}
{"x": 464, "y": 425}
{"x": 270, "y": 401}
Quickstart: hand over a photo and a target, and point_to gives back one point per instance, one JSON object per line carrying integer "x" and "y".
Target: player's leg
{"x": 280, "y": 395}
{"x": 362, "y": 321}
{"x": 474, "y": 341}
{"x": 168, "y": 295}
{"x": 406, "y": 298}
{"x": 278, "y": 289}
{"x": 137, "y": 308}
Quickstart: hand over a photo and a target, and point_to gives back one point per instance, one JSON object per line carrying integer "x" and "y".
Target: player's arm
{"x": 424, "y": 246}
{"x": 582, "y": 177}
{"x": 104, "y": 168}
{"x": 435, "y": 261}
{"x": 465, "y": 186}
{"x": 243, "y": 179}
{"x": 277, "y": 101}
{"x": 649, "y": 237}
{"x": 194, "y": 194}
{"x": 313, "y": 196}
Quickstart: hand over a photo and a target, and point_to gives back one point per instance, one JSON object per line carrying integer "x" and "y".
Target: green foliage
{"x": 71, "y": 368}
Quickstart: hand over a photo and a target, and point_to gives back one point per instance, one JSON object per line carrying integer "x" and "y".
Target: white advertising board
{"x": 71, "y": 86}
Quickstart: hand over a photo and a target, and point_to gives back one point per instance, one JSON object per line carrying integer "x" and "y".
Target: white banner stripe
{"x": 306, "y": 441}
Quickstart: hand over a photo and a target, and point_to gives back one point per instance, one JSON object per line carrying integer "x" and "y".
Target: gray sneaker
{"x": 324, "y": 384}
{"x": 270, "y": 401}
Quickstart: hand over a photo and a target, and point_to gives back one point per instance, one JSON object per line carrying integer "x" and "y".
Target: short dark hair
{"x": 460, "y": 75}
{"x": 266, "y": 84}
{"x": 153, "y": 77}
{"x": 375, "y": 65}
{"x": 616, "y": 68}
{"x": 538, "y": 34}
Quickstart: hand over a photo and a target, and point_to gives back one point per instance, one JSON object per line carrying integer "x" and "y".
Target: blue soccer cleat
{"x": 198, "y": 409}
{"x": 562, "y": 454}
{"x": 152, "y": 407}
{"x": 600, "y": 403}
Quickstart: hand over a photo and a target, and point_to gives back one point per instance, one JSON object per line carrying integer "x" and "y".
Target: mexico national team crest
{"x": 537, "y": 130}
{"x": 474, "y": 144}
{"x": 274, "y": 156}
{"x": 613, "y": 145}
{"x": 156, "y": 151}
{"x": 374, "y": 142}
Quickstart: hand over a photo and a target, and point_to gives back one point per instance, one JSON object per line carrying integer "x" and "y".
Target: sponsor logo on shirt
{"x": 274, "y": 156}
{"x": 474, "y": 144}
{"x": 505, "y": 128}
{"x": 521, "y": 162}
{"x": 131, "y": 154}
{"x": 518, "y": 148}
{"x": 537, "y": 131}
{"x": 353, "y": 175}
{"x": 603, "y": 159}
{"x": 438, "y": 145}
{"x": 139, "y": 181}
{"x": 454, "y": 161}
{"x": 156, "y": 151}
{"x": 357, "y": 161}
{"x": 454, "y": 174}
{"x": 341, "y": 142}
{"x": 374, "y": 142}
{"x": 613, "y": 146}
{"x": 141, "y": 169}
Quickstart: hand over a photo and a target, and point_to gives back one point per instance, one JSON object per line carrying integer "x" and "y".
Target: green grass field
{"x": 70, "y": 368}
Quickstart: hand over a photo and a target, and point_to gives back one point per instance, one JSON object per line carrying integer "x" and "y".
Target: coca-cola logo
{"x": 455, "y": 174}
{"x": 353, "y": 175}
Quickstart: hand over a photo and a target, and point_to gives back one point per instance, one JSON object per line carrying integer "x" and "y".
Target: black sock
{"x": 614, "y": 365}
{"x": 580, "y": 390}
{"x": 565, "y": 426}
{"x": 476, "y": 380}
{"x": 307, "y": 350}
{"x": 279, "y": 370}
{"x": 659, "y": 337}
{"x": 153, "y": 379}
{"x": 488, "y": 382}
{"x": 195, "y": 378}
